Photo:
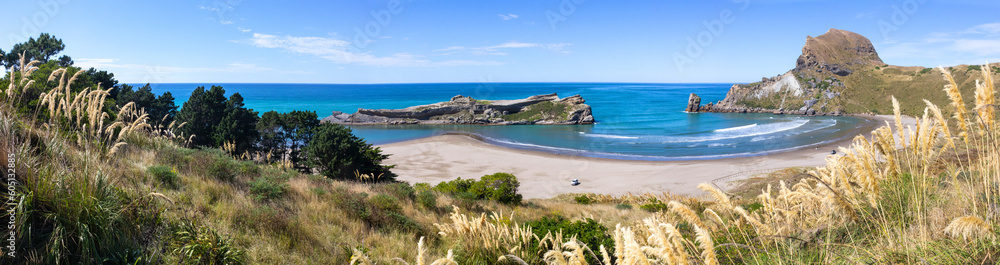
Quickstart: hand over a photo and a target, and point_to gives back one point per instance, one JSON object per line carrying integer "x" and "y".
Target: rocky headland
{"x": 540, "y": 109}
{"x": 840, "y": 73}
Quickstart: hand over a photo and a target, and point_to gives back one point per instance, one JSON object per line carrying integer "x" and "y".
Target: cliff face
{"x": 539, "y": 109}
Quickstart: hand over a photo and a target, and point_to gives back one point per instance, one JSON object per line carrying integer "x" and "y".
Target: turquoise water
{"x": 634, "y": 121}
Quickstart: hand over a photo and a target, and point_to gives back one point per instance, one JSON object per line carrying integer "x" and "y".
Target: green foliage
{"x": 925, "y": 70}
{"x": 427, "y": 199}
{"x": 623, "y": 206}
{"x": 81, "y": 219}
{"x": 165, "y": 175}
{"x": 41, "y": 49}
{"x": 267, "y": 187}
{"x": 222, "y": 168}
{"x": 974, "y": 68}
{"x": 380, "y": 211}
{"x": 589, "y": 232}
{"x": 214, "y": 120}
{"x": 583, "y": 199}
{"x": 543, "y": 110}
{"x": 282, "y": 133}
{"x": 203, "y": 245}
{"x": 338, "y": 154}
{"x": 202, "y": 111}
{"x": 654, "y": 205}
{"x": 499, "y": 187}
{"x": 238, "y": 125}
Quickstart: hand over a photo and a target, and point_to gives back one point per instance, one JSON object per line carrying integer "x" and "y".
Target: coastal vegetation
{"x": 96, "y": 181}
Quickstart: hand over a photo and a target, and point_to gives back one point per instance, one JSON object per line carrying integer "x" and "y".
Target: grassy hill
{"x": 842, "y": 71}
{"x": 88, "y": 185}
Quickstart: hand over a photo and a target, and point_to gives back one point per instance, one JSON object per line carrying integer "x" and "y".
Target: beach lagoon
{"x": 634, "y": 121}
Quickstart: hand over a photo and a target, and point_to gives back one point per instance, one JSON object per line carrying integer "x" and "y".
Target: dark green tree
{"x": 164, "y": 106}
{"x": 299, "y": 127}
{"x": 238, "y": 125}
{"x": 272, "y": 134}
{"x": 337, "y": 153}
{"x": 65, "y": 61}
{"x": 202, "y": 111}
{"x": 157, "y": 108}
{"x": 40, "y": 49}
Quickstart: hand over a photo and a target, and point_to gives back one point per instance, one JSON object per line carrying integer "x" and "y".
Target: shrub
{"x": 338, "y": 154}
{"x": 203, "y": 245}
{"x": 588, "y": 231}
{"x": 222, "y": 168}
{"x": 583, "y": 199}
{"x": 623, "y": 206}
{"x": 380, "y": 211}
{"x": 165, "y": 175}
{"x": 499, "y": 187}
{"x": 456, "y": 186}
{"x": 654, "y": 205}
{"x": 427, "y": 199}
{"x": 266, "y": 188}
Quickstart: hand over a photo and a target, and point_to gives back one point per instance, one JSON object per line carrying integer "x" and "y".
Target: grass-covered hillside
{"x": 842, "y": 72}
{"x": 94, "y": 183}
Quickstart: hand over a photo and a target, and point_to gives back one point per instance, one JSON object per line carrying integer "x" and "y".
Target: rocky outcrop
{"x": 810, "y": 86}
{"x": 838, "y": 51}
{"x": 694, "y": 103}
{"x": 539, "y": 109}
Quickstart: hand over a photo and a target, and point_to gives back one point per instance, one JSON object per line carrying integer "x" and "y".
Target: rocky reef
{"x": 539, "y": 109}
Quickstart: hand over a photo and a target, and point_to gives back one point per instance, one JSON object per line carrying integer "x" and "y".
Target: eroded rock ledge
{"x": 539, "y": 109}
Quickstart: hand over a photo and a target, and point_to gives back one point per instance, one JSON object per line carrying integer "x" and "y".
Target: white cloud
{"x": 507, "y": 16}
{"x": 495, "y": 49}
{"x": 241, "y": 29}
{"x": 974, "y": 45}
{"x": 226, "y": 22}
{"x": 988, "y": 29}
{"x": 340, "y": 51}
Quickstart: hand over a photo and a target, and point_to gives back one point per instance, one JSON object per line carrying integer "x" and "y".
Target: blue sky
{"x": 418, "y": 41}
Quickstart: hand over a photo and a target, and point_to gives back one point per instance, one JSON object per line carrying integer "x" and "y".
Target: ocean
{"x": 634, "y": 121}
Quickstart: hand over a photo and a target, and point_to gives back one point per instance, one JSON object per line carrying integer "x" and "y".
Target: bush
{"x": 380, "y": 211}
{"x": 583, "y": 199}
{"x": 203, "y": 245}
{"x": 654, "y": 205}
{"x": 623, "y": 206}
{"x": 222, "y": 168}
{"x": 165, "y": 175}
{"x": 588, "y": 231}
{"x": 427, "y": 199}
{"x": 401, "y": 191}
{"x": 266, "y": 188}
{"x": 339, "y": 154}
{"x": 499, "y": 187}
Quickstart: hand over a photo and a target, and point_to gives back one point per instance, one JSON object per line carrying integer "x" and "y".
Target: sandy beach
{"x": 544, "y": 175}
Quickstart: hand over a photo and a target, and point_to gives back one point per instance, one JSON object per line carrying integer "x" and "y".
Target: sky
{"x": 430, "y": 41}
